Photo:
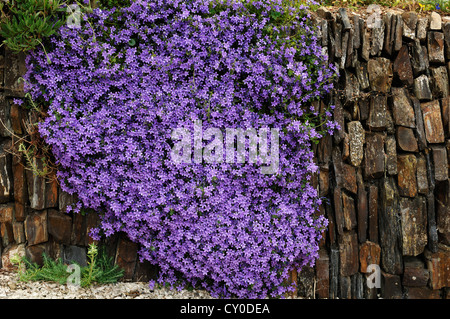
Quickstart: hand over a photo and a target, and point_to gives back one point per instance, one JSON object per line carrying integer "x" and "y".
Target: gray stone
{"x": 439, "y": 82}
{"x": 436, "y": 47}
{"x": 356, "y": 141}
{"x": 378, "y": 120}
{"x": 377, "y": 40}
{"x": 418, "y": 61}
{"x": 398, "y": 39}
{"x": 422, "y": 26}
{"x": 345, "y": 20}
{"x": 422, "y": 88}
{"x": 362, "y": 75}
{"x": 74, "y": 254}
{"x": 365, "y": 50}
{"x": 435, "y": 21}
{"x": 422, "y": 179}
{"x": 391, "y": 155}
{"x": 6, "y": 176}
{"x": 420, "y": 128}
{"x": 409, "y": 25}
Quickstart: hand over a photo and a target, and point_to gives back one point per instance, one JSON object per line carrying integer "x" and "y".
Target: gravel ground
{"x": 12, "y": 288}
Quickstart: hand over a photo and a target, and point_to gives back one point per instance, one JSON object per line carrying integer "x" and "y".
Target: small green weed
{"x": 100, "y": 269}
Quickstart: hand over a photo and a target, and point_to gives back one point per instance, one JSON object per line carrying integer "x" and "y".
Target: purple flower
{"x": 112, "y": 108}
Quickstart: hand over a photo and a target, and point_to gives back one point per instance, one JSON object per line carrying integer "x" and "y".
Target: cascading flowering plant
{"x": 118, "y": 86}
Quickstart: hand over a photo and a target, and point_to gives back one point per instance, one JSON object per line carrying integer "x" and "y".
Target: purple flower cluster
{"x": 117, "y": 87}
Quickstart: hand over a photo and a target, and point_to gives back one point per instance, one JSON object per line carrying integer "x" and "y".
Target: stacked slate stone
{"x": 385, "y": 172}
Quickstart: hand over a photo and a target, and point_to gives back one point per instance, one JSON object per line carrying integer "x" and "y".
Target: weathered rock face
{"x": 380, "y": 74}
{"x": 396, "y": 144}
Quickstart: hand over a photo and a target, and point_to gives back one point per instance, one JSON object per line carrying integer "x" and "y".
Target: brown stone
{"x": 13, "y": 251}
{"x": 390, "y": 228}
{"x": 378, "y": 120}
{"x": 345, "y": 174}
{"x": 415, "y": 274}
{"x": 440, "y": 163}
{"x": 6, "y": 223}
{"x": 324, "y": 181}
{"x": 19, "y": 232}
{"x": 432, "y": 119}
{"x": 391, "y": 287}
{"x": 380, "y": 74}
{"x": 16, "y": 119}
{"x": 443, "y": 212}
{"x": 445, "y": 103}
{"x": 338, "y": 116}
{"x": 36, "y": 228}
{"x": 403, "y": 68}
{"x": 391, "y": 155}
{"x": 439, "y": 265}
{"x": 19, "y": 179}
{"x": 369, "y": 253}
{"x": 6, "y": 178}
{"x": 348, "y": 253}
{"x": 373, "y": 213}
{"x": 439, "y": 82}
{"x": 407, "y": 183}
{"x": 436, "y": 47}
{"x": 15, "y": 69}
{"x": 402, "y": 108}
{"x": 65, "y": 200}
{"x": 374, "y": 155}
{"x": 406, "y": 139}
{"x": 126, "y": 256}
{"x": 323, "y": 275}
{"x": 414, "y": 225}
{"x": 422, "y": 293}
{"x": 420, "y": 127}
{"x": 59, "y": 226}
{"x": 356, "y": 142}
{"x": 446, "y": 29}
{"x": 348, "y": 208}
{"x": 363, "y": 214}
{"x": 422, "y": 88}
{"x": 422, "y": 179}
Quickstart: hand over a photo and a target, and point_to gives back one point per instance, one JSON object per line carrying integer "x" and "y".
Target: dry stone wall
{"x": 384, "y": 175}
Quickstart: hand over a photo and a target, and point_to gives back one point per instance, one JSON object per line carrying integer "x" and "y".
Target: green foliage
{"x": 100, "y": 269}
{"x": 29, "y": 22}
{"x": 439, "y": 5}
{"x": 114, "y": 3}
